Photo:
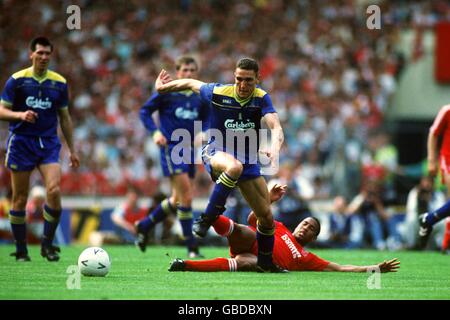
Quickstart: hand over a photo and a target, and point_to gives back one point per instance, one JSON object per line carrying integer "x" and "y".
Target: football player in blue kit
{"x": 177, "y": 111}
{"x": 32, "y": 101}
{"x": 236, "y": 111}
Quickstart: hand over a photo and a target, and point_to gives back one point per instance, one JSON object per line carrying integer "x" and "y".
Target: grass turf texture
{"x": 136, "y": 275}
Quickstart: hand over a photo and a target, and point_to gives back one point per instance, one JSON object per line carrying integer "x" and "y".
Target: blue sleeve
{"x": 8, "y": 94}
{"x": 147, "y": 110}
{"x": 206, "y": 92}
{"x": 267, "y": 106}
{"x": 65, "y": 97}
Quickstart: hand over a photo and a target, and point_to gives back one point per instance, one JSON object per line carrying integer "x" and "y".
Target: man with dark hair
{"x": 288, "y": 252}
{"x": 31, "y": 101}
{"x": 231, "y": 155}
{"x": 178, "y": 110}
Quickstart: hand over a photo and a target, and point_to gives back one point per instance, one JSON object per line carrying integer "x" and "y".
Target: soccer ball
{"x": 94, "y": 261}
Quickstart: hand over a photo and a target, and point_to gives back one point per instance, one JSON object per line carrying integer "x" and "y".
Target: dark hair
{"x": 185, "y": 60}
{"x": 43, "y": 41}
{"x": 248, "y": 64}
{"x": 318, "y": 224}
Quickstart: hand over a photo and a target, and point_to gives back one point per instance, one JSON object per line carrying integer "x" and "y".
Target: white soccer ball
{"x": 94, "y": 261}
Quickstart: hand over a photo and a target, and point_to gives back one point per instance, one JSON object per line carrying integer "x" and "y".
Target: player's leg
{"x": 241, "y": 238}
{"x": 182, "y": 186}
{"x": 51, "y": 172}
{"x": 227, "y": 169}
{"x": 160, "y": 212}
{"x": 256, "y": 194}
{"x": 427, "y": 220}
{"x": 242, "y": 262}
{"x": 20, "y": 181}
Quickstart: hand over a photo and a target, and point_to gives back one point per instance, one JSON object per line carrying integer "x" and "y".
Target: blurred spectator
{"x": 368, "y": 215}
{"x": 339, "y": 220}
{"x": 123, "y": 216}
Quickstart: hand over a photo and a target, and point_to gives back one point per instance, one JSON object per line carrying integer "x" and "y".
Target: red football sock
{"x": 218, "y": 264}
{"x": 223, "y": 226}
{"x": 446, "y": 241}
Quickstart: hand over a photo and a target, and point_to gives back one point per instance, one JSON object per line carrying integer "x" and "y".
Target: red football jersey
{"x": 290, "y": 255}
{"x": 441, "y": 127}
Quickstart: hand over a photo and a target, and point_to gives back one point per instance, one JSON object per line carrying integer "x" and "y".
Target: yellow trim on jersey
{"x": 49, "y": 75}
{"x": 6, "y": 103}
{"x": 186, "y": 93}
{"x": 227, "y": 91}
{"x": 230, "y": 91}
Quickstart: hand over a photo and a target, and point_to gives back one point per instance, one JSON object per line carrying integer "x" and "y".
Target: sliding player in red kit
{"x": 288, "y": 254}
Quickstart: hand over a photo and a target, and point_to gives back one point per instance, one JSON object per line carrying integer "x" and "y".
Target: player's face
{"x": 187, "y": 71}
{"x": 306, "y": 231}
{"x": 245, "y": 81}
{"x": 41, "y": 56}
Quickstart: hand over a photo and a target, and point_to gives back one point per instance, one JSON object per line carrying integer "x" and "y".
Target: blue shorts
{"x": 176, "y": 163}
{"x": 250, "y": 171}
{"x": 24, "y": 153}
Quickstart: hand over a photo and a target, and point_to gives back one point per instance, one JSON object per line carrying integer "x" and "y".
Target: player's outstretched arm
{"x": 386, "y": 266}
{"x": 164, "y": 83}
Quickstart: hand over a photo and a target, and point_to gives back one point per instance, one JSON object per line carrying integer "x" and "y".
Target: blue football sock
{"x": 224, "y": 185}
{"x": 157, "y": 215}
{"x": 51, "y": 217}
{"x": 19, "y": 230}
{"x": 265, "y": 239}
{"x": 438, "y": 214}
{"x": 185, "y": 217}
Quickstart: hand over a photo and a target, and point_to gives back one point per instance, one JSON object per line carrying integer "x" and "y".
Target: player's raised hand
{"x": 163, "y": 78}
{"x": 74, "y": 160}
{"x": 29, "y": 116}
{"x": 389, "y": 266}
{"x": 277, "y": 192}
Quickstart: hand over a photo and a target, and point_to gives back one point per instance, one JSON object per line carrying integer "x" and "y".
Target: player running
{"x": 231, "y": 155}
{"x": 289, "y": 252}
{"x": 439, "y": 130}
{"x": 177, "y": 110}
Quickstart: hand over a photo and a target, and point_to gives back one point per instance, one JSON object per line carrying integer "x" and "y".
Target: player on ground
{"x": 236, "y": 113}
{"x": 288, "y": 251}
{"x": 439, "y": 130}
{"x": 177, "y": 110}
{"x": 31, "y": 101}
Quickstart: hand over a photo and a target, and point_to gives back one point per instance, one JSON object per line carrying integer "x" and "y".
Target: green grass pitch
{"x": 135, "y": 275}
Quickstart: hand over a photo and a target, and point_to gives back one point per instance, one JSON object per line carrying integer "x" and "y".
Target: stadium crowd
{"x": 331, "y": 80}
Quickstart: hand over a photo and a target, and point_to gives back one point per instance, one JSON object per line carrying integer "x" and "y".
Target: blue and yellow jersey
{"x": 177, "y": 110}
{"x": 236, "y": 119}
{"x": 25, "y": 91}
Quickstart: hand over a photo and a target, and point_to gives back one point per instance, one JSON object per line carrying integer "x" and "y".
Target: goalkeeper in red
{"x": 288, "y": 253}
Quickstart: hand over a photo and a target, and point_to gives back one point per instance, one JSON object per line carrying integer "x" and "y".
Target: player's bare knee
{"x": 19, "y": 201}
{"x": 235, "y": 169}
